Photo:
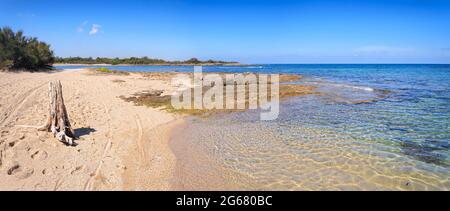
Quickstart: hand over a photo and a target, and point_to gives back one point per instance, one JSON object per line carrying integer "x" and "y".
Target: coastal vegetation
{"x": 20, "y": 52}
{"x": 104, "y": 70}
{"x": 158, "y": 98}
{"x": 137, "y": 61}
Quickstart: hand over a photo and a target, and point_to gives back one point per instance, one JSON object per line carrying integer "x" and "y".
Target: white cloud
{"x": 380, "y": 49}
{"x": 94, "y": 29}
{"x": 81, "y": 27}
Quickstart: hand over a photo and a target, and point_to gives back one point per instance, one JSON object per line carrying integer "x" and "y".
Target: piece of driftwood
{"x": 58, "y": 121}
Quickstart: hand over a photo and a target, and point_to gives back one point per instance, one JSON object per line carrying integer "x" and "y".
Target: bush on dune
{"x": 20, "y": 52}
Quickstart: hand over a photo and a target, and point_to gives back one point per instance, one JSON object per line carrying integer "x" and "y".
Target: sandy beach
{"x": 112, "y": 134}
{"x": 126, "y": 144}
{"x": 121, "y": 146}
{"x": 226, "y": 97}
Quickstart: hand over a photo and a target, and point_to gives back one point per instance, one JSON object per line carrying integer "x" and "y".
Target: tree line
{"x": 133, "y": 61}
{"x": 28, "y": 53}
{"x": 20, "y": 52}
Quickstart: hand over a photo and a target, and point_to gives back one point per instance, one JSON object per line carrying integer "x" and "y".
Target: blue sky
{"x": 250, "y": 31}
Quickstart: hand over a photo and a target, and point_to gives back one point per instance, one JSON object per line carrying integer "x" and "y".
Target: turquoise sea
{"x": 373, "y": 127}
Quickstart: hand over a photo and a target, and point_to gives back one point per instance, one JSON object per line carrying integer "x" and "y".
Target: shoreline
{"x": 194, "y": 169}
{"x": 166, "y": 162}
{"x": 126, "y": 146}
{"x": 121, "y": 147}
{"x": 150, "y": 162}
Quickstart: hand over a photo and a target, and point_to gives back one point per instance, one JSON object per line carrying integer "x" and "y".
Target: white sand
{"x": 119, "y": 147}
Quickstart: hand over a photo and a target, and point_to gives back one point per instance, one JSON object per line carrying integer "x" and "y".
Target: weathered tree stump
{"x": 58, "y": 121}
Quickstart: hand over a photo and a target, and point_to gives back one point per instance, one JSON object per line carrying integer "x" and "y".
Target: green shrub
{"x": 20, "y": 52}
{"x": 108, "y": 71}
{"x": 104, "y": 70}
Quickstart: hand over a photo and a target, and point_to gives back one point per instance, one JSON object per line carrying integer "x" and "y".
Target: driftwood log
{"x": 58, "y": 121}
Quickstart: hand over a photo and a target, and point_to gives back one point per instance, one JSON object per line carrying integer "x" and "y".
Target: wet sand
{"x": 121, "y": 146}
{"x": 195, "y": 170}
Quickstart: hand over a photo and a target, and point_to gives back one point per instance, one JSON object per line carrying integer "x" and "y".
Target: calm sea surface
{"x": 398, "y": 140}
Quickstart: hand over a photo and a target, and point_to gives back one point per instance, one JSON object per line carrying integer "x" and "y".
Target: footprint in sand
{"x": 46, "y": 171}
{"x": 20, "y": 136}
{"x": 1, "y": 158}
{"x": 39, "y": 155}
{"x": 38, "y": 186}
{"x": 43, "y": 137}
{"x": 76, "y": 170}
{"x": 17, "y": 139}
{"x": 12, "y": 144}
{"x": 4, "y": 133}
{"x": 20, "y": 172}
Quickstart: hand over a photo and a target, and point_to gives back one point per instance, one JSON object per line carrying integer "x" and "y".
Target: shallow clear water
{"x": 399, "y": 140}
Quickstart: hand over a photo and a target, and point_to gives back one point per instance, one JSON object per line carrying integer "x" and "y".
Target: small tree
{"x": 20, "y": 52}
{"x": 193, "y": 61}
